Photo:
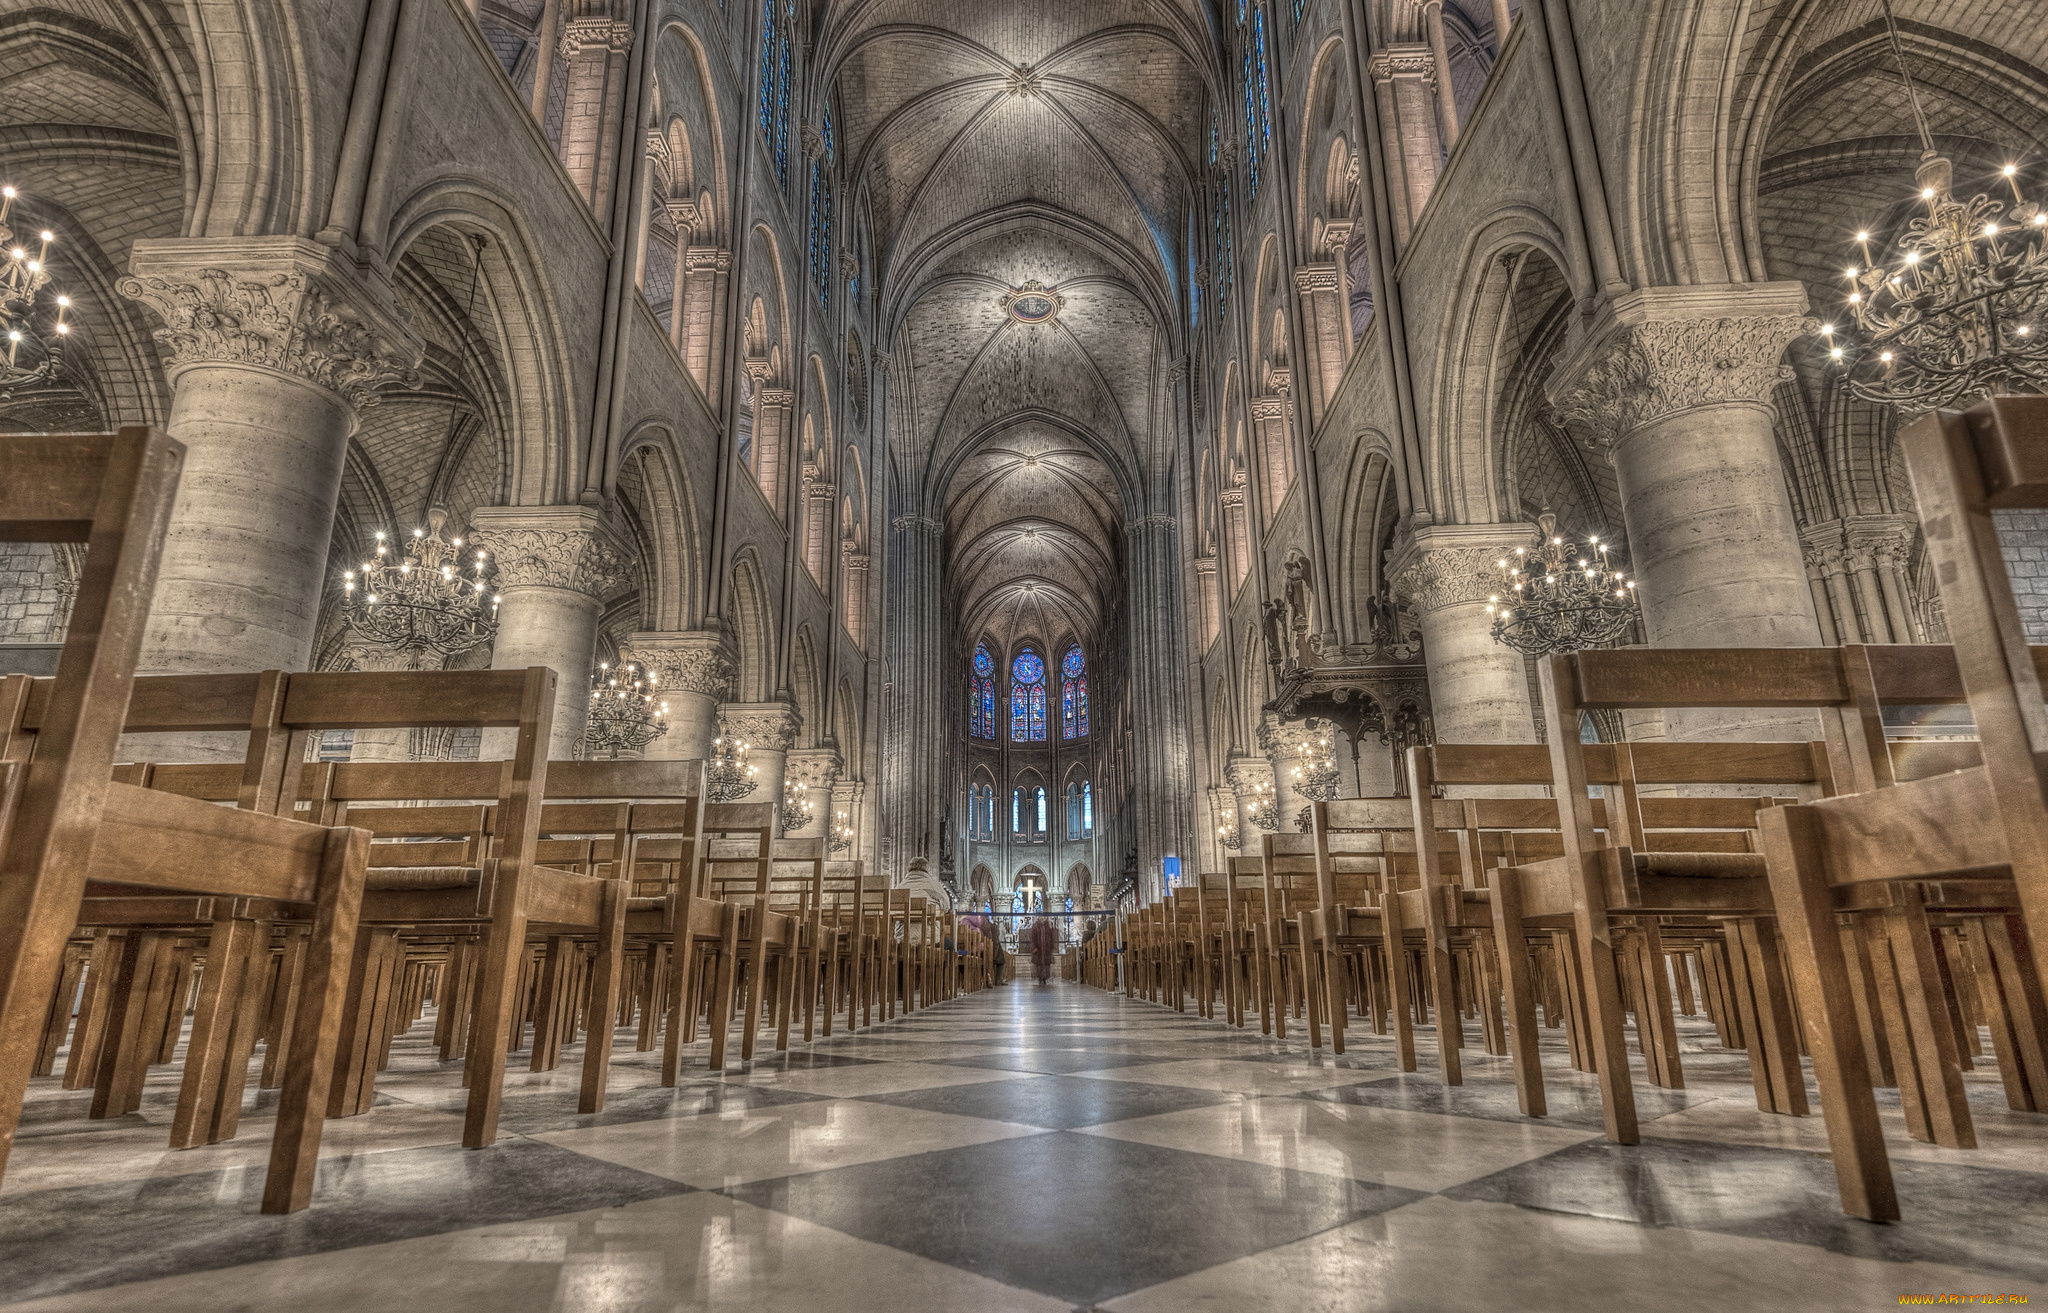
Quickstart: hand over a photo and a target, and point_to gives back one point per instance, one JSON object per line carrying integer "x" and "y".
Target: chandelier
{"x": 33, "y": 354}
{"x": 1265, "y": 808}
{"x": 1962, "y": 311}
{"x": 416, "y": 600}
{"x": 1556, "y": 600}
{"x": 625, "y": 713}
{"x": 1315, "y": 769}
{"x": 797, "y": 807}
{"x": 729, "y": 774}
{"x": 840, "y": 837}
{"x": 1228, "y": 836}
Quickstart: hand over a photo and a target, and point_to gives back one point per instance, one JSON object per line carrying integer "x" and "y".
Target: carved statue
{"x": 1274, "y": 612}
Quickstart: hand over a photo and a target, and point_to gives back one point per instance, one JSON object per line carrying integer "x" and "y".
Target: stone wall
{"x": 34, "y": 599}
{"x": 2024, "y": 535}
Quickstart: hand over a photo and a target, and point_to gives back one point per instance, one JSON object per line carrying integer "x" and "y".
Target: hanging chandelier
{"x": 1228, "y": 836}
{"x": 416, "y": 600}
{"x": 1315, "y": 768}
{"x": 840, "y": 838}
{"x": 797, "y": 808}
{"x": 729, "y": 774}
{"x": 33, "y": 353}
{"x": 1961, "y": 310}
{"x": 1559, "y": 600}
{"x": 1265, "y": 808}
{"x": 625, "y": 712}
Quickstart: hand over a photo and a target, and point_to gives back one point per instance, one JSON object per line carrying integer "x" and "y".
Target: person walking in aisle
{"x": 1044, "y": 940}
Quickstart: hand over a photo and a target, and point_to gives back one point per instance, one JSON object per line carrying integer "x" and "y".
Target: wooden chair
{"x": 66, "y": 825}
{"x": 1982, "y": 832}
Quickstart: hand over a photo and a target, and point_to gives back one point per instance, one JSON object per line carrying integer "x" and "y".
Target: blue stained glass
{"x": 831, "y": 147}
{"x": 1028, "y": 668}
{"x": 1265, "y": 90}
{"x": 783, "y": 62}
{"x": 1073, "y": 663}
{"x": 1067, "y": 710}
{"x": 1083, "y": 716}
{"x": 1087, "y": 809}
{"x": 1038, "y": 713}
{"x": 767, "y": 65}
{"x": 1027, "y": 698}
{"x": 984, "y": 664}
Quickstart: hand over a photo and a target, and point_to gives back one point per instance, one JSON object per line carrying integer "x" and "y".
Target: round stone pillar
{"x": 1478, "y": 689}
{"x": 692, "y": 669}
{"x": 817, "y": 769}
{"x": 1678, "y": 383}
{"x": 272, "y": 346}
{"x": 769, "y": 730}
{"x": 555, "y": 566}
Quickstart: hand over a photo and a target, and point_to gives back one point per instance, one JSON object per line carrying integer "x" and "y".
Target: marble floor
{"x": 1027, "y": 1148}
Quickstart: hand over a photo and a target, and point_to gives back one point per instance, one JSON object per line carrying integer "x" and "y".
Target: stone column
{"x": 817, "y": 769}
{"x": 1337, "y": 236}
{"x": 693, "y": 670}
{"x": 1404, "y": 79}
{"x": 701, "y": 330}
{"x": 1238, "y": 520}
{"x": 595, "y": 49}
{"x": 1209, "y": 598}
{"x": 1816, "y": 545}
{"x": 1677, "y": 382}
{"x": 1877, "y": 547}
{"x": 818, "y": 503}
{"x": 1322, "y": 306}
{"x": 1479, "y": 689}
{"x": 855, "y": 563}
{"x": 1276, "y": 449}
{"x": 1161, "y": 763}
{"x": 773, "y": 410}
{"x": 1246, "y": 774}
{"x": 1446, "y": 93}
{"x": 769, "y": 731}
{"x": 1277, "y": 742}
{"x": 683, "y": 215}
{"x": 272, "y": 345}
{"x": 913, "y": 731}
{"x": 555, "y": 566}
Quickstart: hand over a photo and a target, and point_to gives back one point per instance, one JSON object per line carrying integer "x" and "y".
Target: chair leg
{"x": 1797, "y": 855}
{"x": 606, "y": 975}
{"x": 1520, "y": 997}
{"x": 295, "y": 1148}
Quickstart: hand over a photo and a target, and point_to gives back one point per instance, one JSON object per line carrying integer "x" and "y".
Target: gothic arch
{"x": 753, "y": 626}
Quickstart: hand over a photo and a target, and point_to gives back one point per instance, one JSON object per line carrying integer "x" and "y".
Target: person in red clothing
{"x": 1044, "y": 941}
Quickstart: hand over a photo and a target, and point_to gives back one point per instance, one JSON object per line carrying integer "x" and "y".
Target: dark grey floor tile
{"x": 1055, "y": 1061}
{"x": 54, "y": 1241}
{"x": 1062, "y": 1103}
{"x": 1977, "y": 1218}
{"x": 555, "y": 1110}
{"x": 1073, "y": 1216}
{"x": 1569, "y": 1103}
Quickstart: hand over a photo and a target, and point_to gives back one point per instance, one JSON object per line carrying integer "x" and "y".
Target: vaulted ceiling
{"x": 1027, "y": 173}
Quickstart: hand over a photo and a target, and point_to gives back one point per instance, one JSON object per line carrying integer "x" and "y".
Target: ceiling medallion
{"x": 1025, "y": 80}
{"x": 1033, "y": 303}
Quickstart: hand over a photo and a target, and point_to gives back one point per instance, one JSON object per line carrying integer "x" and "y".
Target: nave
{"x": 1021, "y": 1148}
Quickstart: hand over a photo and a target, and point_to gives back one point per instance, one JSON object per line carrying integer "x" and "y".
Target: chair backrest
{"x": 113, "y": 492}
{"x": 1964, "y": 467}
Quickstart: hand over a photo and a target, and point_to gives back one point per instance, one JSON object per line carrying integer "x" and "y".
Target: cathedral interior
{"x": 992, "y": 464}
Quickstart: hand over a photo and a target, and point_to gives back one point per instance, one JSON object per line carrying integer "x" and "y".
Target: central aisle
{"x": 1025, "y": 1148}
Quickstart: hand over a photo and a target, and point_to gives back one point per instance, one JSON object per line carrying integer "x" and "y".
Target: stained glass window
{"x": 768, "y": 67}
{"x": 981, "y": 686}
{"x": 821, "y": 216}
{"x": 1041, "y": 812}
{"x": 778, "y": 45}
{"x": 1074, "y": 694}
{"x": 1087, "y": 809}
{"x": 1226, "y": 259}
{"x": 1027, "y": 698}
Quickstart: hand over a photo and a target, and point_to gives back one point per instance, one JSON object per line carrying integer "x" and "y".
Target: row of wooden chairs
{"x": 1873, "y": 905}
{"x": 320, "y": 909}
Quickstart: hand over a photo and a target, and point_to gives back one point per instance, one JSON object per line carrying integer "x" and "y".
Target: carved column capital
{"x": 693, "y": 661}
{"x": 1316, "y": 278}
{"x": 769, "y": 726}
{"x": 923, "y": 524}
{"x": 612, "y": 35}
{"x": 1661, "y": 351}
{"x": 715, "y": 259}
{"x": 553, "y": 547}
{"x": 276, "y": 303}
{"x": 1269, "y": 408}
{"x": 1454, "y": 564}
{"x": 1247, "y": 773}
{"x": 1403, "y": 60}
{"x": 1884, "y": 540}
{"x": 817, "y": 769}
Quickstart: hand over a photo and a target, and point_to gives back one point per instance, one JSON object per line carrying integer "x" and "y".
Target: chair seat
{"x": 423, "y": 877}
